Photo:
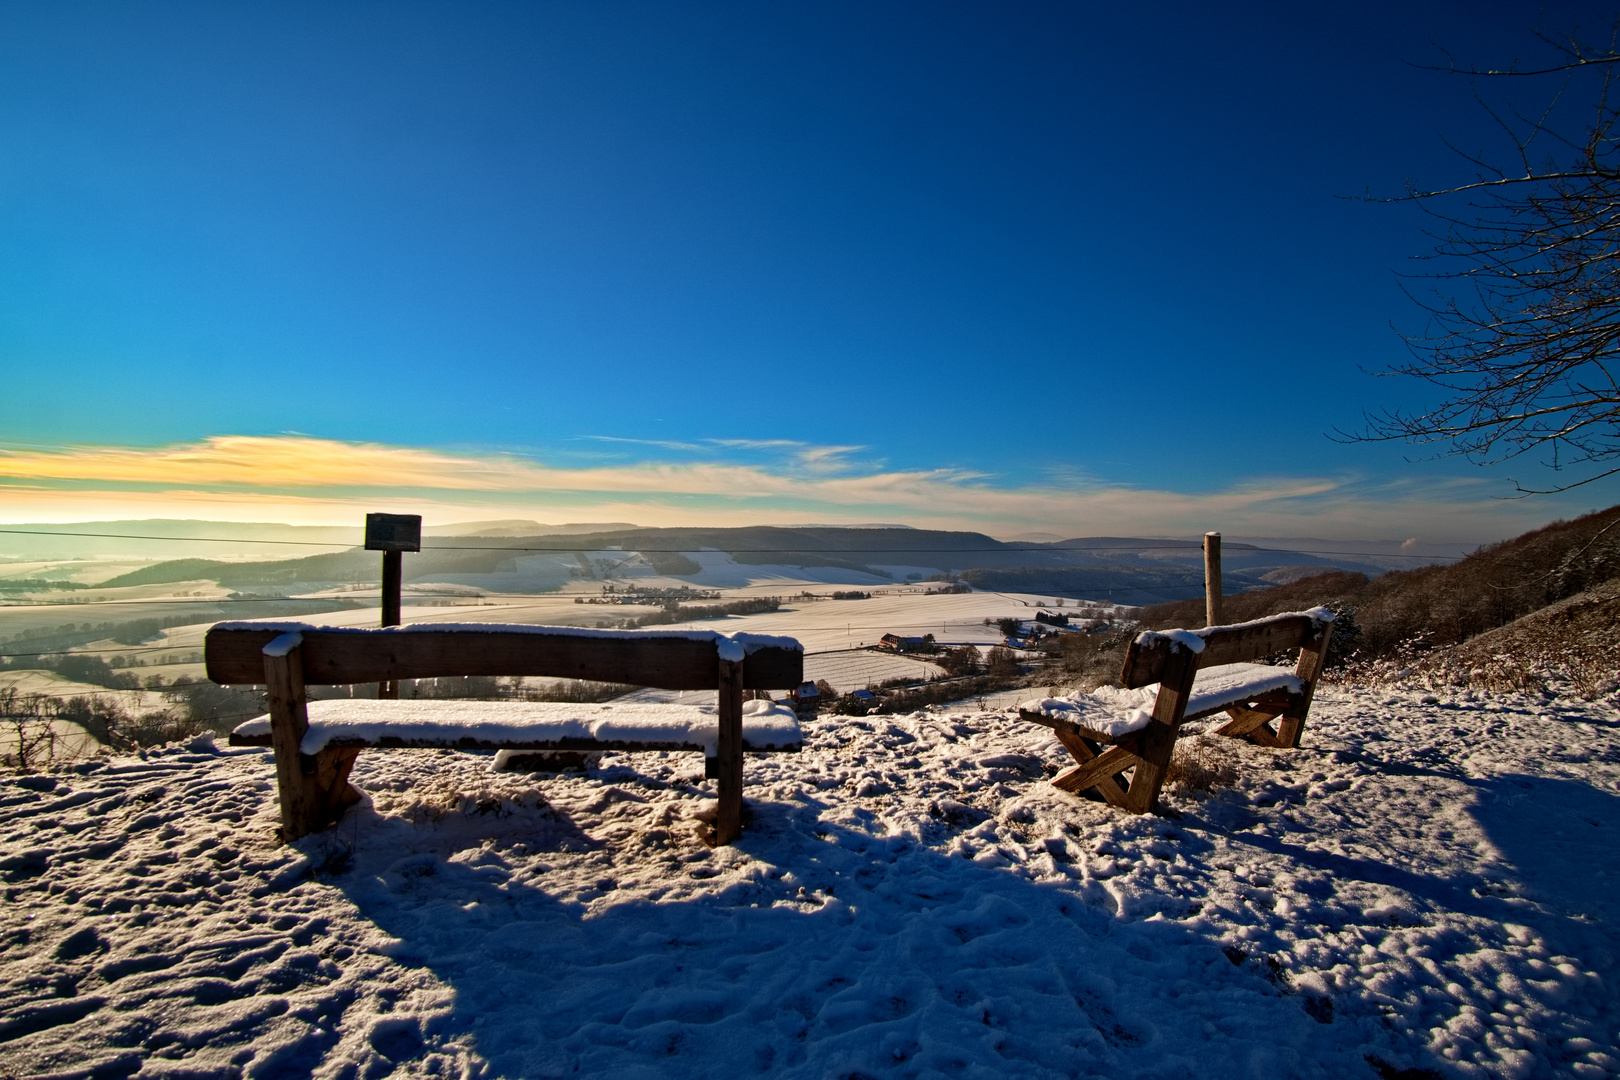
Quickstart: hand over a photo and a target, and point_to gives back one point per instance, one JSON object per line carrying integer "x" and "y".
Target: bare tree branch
{"x": 1523, "y": 332}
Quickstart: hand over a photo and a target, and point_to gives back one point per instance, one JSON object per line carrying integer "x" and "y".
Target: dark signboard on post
{"x": 393, "y": 532}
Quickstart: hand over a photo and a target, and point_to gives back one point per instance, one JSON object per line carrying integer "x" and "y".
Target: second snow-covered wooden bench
{"x": 316, "y": 742}
{"x": 1194, "y": 674}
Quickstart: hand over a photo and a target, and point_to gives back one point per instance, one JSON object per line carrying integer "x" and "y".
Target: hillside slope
{"x": 1443, "y": 605}
{"x": 1577, "y": 640}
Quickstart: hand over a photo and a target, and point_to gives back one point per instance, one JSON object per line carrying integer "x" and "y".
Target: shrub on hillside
{"x": 208, "y": 706}
{"x": 1002, "y": 664}
{"x": 962, "y": 660}
{"x": 94, "y": 670}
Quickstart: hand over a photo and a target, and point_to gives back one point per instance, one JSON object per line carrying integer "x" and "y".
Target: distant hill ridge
{"x": 1126, "y": 569}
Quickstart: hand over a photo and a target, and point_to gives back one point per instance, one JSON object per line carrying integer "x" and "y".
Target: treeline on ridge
{"x": 1403, "y": 612}
{"x": 1489, "y": 587}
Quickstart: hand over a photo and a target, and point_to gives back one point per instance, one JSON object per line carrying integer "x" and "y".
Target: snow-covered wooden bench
{"x": 1192, "y": 674}
{"x": 316, "y": 742}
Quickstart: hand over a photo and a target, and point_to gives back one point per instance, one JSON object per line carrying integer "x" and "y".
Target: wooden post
{"x": 392, "y": 575}
{"x": 284, "y": 687}
{"x": 1212, "y": 579}
{"x": 728, "y": 819}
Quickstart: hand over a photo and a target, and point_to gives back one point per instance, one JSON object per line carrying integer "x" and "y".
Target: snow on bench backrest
{"x": 668, "y": 659}
{"x": 1213, "y": 646}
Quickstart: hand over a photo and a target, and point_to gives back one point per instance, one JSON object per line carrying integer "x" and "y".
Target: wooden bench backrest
{"x": 1153, "y": 653}
{"x": 670, "y": 660}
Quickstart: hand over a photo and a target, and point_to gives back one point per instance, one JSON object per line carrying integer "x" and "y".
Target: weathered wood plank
{"x": 281, "y": 669}
{"x": 328, "y": 772}
{"x": 1158, "y": 743}
{"x": 1312, "y": 658}
{"x": 1263, "y": 736}
{"x": 1107, "y": 786}
{"x": 1244, "y": 721}
{"x": 1077, "y": 778}
{"x": 1145, "y": 661}
{"x": 1252, "y": 641}
{"x": 349, "y": 656}
{"x": 1159, "y": 737}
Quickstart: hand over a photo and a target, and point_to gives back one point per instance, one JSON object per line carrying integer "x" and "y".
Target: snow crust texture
{"x": 1429, "y": 884}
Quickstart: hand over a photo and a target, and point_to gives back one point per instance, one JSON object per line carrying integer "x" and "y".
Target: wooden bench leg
{"x": 1158, "y": 742}
{"x": 314, "y": 790}
{"x": 1249, "y": 724}
{"x": 289, "y": 720}
{"x": 728, "y": 818}
{"x": 1312, "y": 659}
{"x": 1084, "y": 775}
{"x": 328, "y": 774}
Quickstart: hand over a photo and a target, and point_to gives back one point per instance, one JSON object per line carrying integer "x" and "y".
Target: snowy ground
{"x": 1427, "y": 886}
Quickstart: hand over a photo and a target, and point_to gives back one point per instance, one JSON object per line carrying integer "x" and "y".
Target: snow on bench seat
{"x": 529, "y": 725}
{"x": 1115, "y": 713}
{"x": 1089, "y": 712}
{"x": 1217, "y": 687}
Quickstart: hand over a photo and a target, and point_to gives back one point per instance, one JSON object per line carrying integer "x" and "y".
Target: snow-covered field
{"x": 1427, "y": 885}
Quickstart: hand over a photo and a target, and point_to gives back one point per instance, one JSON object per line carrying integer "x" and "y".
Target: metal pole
{"x": 392, "y": 534}
{"x": 392, "y": 573}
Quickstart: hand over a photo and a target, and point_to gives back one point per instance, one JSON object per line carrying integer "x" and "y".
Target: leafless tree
{"x": 31, "y": 736}
{"x": 1523, "y": 334}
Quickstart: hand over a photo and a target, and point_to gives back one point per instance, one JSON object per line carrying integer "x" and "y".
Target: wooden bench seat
{"x": 316, "y": 742}
{"x": 1190, "y": 674}
{"x": 528, "y": 725}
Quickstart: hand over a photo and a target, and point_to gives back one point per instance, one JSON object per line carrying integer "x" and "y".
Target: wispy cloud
{"x": 662, "y": 444}
{"x": 307, "y": 479}
{"x": 754, "y": 444}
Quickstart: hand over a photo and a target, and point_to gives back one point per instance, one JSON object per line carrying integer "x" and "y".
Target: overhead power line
{"x": 77, "y": 650}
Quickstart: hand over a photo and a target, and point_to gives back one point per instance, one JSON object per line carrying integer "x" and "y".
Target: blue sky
{"x": 1033, "y": 266}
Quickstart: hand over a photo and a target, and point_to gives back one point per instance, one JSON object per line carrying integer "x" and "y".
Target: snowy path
{"x": 1425, "y": 886}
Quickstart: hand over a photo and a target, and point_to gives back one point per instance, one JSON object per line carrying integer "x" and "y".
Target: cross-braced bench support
{"x": 1252, "y": 696}
{"x": 314, "y": 787}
